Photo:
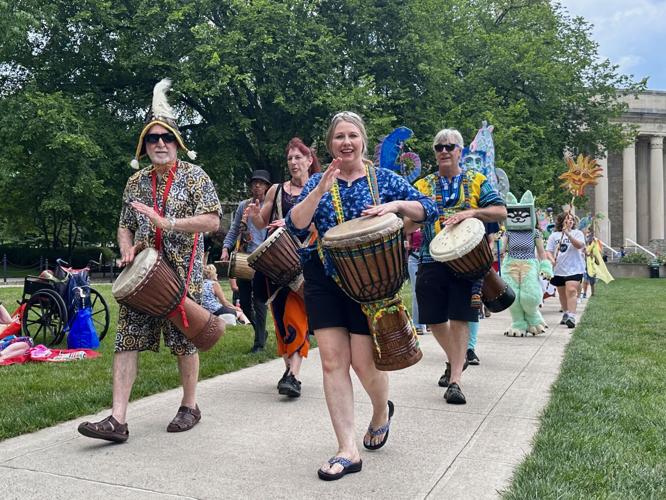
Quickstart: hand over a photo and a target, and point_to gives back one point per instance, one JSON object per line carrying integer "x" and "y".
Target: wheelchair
{"x": 52, "y": 299}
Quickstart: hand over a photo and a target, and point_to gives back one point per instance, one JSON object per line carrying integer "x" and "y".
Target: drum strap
{"x": 165, "y": 196}
{"x": 180, "y": 309}
{"x": 158, "y": 239}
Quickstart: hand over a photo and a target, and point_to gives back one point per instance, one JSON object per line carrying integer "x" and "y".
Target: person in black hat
{"x": 244, "y": 236}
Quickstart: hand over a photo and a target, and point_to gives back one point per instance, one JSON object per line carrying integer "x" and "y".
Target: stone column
{"x": 629, "y": 192}
{"x": 601, "y": 202}
{"x": 656, "y": 187}
{"x": 642, "y": 192}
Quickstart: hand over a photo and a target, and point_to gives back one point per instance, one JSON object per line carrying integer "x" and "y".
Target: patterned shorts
{"x": 139, "y": 332}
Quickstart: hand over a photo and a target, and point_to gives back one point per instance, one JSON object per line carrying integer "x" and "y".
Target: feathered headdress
{"x": 160, "y": 113}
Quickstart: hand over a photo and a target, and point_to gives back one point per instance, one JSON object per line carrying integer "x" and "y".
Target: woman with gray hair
{"x": 349, "y": 188}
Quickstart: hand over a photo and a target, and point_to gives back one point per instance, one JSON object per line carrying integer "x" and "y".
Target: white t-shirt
{"x": 570, "y": 259}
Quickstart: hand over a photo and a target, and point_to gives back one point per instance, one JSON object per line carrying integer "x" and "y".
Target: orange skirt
{"x": 291, "y": 323}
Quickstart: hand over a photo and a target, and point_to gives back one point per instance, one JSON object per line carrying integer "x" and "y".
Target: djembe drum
{"x": 465, "y": 249}
{"x": 151, "y": 286}
{"x": 239, "y": 267}
{"x": 368, "y": 254}
{"x": 277, "y": 257}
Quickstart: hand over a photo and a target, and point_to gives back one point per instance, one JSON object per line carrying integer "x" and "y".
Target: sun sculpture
{"x": 584, "y": 172}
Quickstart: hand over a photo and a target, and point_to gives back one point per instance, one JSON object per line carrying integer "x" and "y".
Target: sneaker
{"x": 472, "y": 358}
{"x": 444, "y": 379}
{"x": 419, "y": 330}
{"x": 283, "y": 378}
{"x": 290, "y": 387}
{"x": 571, "y": 322}
{"x": 563, "y": 321}
{"x": 454, "y": 395}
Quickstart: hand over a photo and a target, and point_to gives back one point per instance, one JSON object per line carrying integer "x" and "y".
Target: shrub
{"x": 22, "y": 256}
{"x": 635, "y": 258}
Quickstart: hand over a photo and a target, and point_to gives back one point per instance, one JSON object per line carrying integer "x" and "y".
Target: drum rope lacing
{"x": 374, "y": 311}
{"x": 179, "y": 309}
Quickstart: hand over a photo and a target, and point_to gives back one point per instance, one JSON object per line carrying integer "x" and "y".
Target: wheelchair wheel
{"x": 45, "y": 317}
{"x": 100, "y": 313}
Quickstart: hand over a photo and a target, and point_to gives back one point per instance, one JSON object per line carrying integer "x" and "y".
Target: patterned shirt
{"x": 521, "y": 244}
{"x": 209, "y": 299}
{"x": 356, "y": 198}
{"x": 192, "y": 193}
{"x": 469, "y": 189}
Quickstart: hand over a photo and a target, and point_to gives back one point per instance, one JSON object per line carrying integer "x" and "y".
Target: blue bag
{"x": 82, "y": 333}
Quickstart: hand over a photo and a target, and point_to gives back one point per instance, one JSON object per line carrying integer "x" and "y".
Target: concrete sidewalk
{"x": 253, "y": 443}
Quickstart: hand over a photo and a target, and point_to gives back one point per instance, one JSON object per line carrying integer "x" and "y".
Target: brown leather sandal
{"x": 185, "y": 419}
{"x": 108, "y": 429}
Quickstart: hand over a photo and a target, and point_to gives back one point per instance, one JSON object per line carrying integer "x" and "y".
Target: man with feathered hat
{"x": 168, "y": 206}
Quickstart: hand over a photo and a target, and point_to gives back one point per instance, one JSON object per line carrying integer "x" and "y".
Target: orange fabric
{"x": 291, "y": 324}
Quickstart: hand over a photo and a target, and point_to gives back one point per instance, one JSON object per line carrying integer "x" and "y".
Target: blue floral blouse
{"x": 355, "y": 199}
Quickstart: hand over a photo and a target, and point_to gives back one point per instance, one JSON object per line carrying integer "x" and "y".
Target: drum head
{"x": 134, "y": 273}
{"x": 273, "y": 237}
{"x": 454, "y": 242}
{"x": 363, "y": 226}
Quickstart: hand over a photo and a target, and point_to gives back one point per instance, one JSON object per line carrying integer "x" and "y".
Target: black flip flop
{"x": 384, "y": 429}
{"x": 347, "y": 468}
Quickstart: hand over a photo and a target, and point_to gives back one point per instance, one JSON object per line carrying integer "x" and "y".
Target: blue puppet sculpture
{"x": 524, "y": 260}
{"x": 389, "y": 154}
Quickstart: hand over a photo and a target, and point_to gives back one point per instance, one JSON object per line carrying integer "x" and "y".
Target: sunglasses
{"x": 155, "y": 138}
{"x": 441, "y": 147}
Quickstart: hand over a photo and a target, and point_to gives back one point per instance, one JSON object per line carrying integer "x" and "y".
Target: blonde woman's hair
{"x": 210, "y": 271}
{"x": 350, "y": 117}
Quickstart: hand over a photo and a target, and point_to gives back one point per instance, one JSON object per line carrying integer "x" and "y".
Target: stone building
{"x": 631, "y": 192}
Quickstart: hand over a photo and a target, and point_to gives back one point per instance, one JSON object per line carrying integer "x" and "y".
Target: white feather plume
{"x": 160, "y": 104}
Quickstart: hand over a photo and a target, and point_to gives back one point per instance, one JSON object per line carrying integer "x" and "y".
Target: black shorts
{"x": 225, "y": 310}
{"x": 561, "y": 280}
{"x": 443, "y": 296}
{"x": 327, "y": 305}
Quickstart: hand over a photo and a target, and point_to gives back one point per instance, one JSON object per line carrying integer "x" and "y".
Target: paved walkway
{"x": 253, "y": 443}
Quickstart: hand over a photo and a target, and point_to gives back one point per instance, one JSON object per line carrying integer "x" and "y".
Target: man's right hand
{"x": 128, "y": 253}
{"x": 225, "y": 255}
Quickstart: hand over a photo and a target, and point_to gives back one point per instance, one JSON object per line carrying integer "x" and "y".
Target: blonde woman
{"x": 213, "y": 298}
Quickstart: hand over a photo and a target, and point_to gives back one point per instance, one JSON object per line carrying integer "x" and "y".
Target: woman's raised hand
{"x": 329, "y": 177}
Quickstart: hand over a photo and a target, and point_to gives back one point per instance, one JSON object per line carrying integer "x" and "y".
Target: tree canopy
{"x": 76, "y": 79}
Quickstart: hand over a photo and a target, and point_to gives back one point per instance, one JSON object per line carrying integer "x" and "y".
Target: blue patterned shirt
{"x": 355, "y": 199}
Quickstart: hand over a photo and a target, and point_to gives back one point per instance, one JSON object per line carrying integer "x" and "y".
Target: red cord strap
{"x": 179, "y": 308}
{"x": 158, "y": 239}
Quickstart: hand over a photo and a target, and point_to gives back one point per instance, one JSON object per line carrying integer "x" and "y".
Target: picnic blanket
{"x": 41, "y": 353}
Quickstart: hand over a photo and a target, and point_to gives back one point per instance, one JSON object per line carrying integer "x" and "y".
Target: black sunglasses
{"x": 441, "y": 147}
{"x": 155, "y": 138}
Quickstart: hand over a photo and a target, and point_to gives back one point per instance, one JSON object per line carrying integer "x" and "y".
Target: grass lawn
{"x": 38, "y": 395}
{"x": 603, "y": 434}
